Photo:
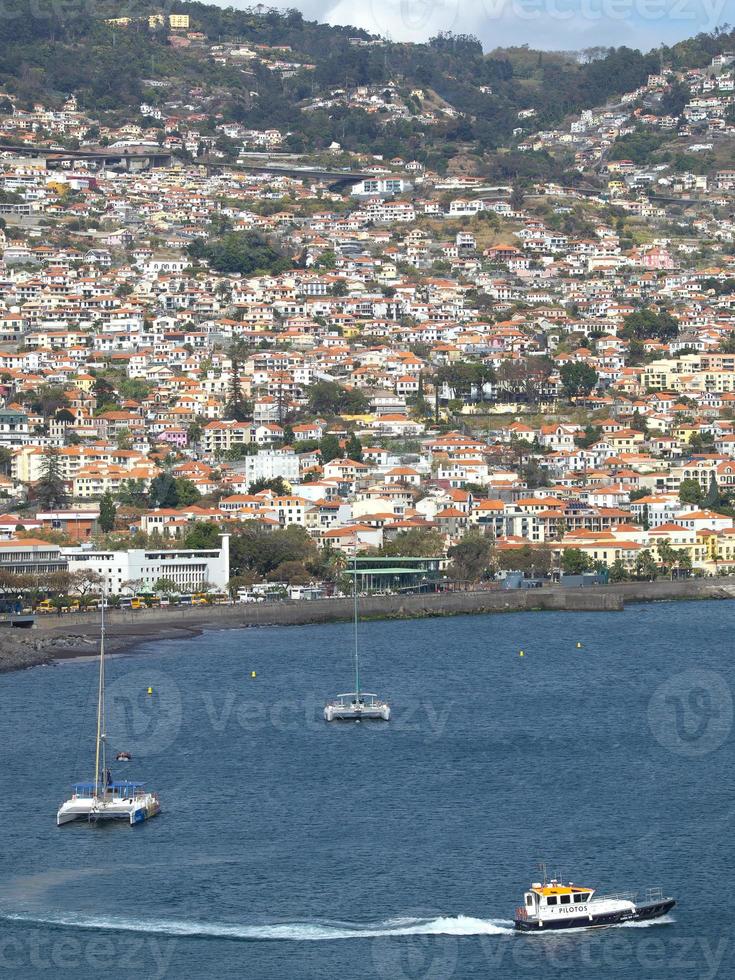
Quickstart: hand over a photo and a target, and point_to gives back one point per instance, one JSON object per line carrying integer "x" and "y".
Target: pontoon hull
{"x": 135, "y": 810}
{"x": 652, "y": 910}
{"x": 332, "y": 713}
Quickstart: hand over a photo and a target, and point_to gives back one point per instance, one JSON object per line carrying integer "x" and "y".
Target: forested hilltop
{"x": 46, "y": 54}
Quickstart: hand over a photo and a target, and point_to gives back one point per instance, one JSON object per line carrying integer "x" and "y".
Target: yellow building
{"x": 178, "y": 22}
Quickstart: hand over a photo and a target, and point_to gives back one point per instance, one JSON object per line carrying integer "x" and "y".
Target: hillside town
{"x": 450, "y": 379}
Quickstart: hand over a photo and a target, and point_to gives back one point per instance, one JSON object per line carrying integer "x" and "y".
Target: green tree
{"x": 329, "y": 448}
{"x": 638, "y": 422}
{"x": 47, "y": 400}
{"x": 186, "y": 492}
{"x": 244, "y": 253}
{"x": 236, "y": 407}
{"x": 165, "y": 586}
{"x": 690, "y": 491}
{"x": 575, "y": 562}
{"x": 713, "y": 497}
{"x": 675, "y": 98}
{"x": 526, "y": 559}
{"x": 330, "y": 398}
{"x": 618, "y": 572}
{"x": 645, "y": 566}
{"x": 50, "y": 489}
{"x": 6, "y": 458}
{"x": 577, "y": 378}
{"x": 277, "y": 484}
{"x": 194, "y": 432}
{"x": 591, "y": 434}
{"x": 203, "y": 535}
{"x": 470, "y": 557}
{"x": 104, "y": 393}
{"x": 292, "y": 572}
{"x": 516, "y": 197}
{"x": 647, "y": 324}
{"x": 354, "y": 448}
{"x": 666, "y": 554}
{"x": 253, "y": 549}
{"x": 133, "y": 493}
{"x": 415, "y": 543}
{"x": 108, "y": 512}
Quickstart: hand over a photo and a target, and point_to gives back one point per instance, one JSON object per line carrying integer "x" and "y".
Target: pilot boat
{"x": 553, "y": 905}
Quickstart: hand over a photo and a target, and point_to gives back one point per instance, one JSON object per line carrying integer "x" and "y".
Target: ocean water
{"x": 288, "y": 848}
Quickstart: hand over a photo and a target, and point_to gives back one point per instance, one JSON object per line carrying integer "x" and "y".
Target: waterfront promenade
{"x": 75, "y": 635}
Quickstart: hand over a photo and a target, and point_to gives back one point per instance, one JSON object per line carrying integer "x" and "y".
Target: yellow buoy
{"x": 253, "y": 674}
{"x": 579, "y": 646}
{"x": 521, "y": 653}
{"x": 150, "y": 690}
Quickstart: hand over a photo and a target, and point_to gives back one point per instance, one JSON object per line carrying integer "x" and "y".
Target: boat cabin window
{"x": 581, "y": 897}
{"x": 551, "y": 899}
{"x": 566, "y": 899}
{"x": 529, "y": 899}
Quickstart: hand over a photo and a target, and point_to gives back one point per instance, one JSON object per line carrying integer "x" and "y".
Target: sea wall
{"x": 289, "y": 613}
{"x": 603, "y": 599}
{"x": 76, "y": 634}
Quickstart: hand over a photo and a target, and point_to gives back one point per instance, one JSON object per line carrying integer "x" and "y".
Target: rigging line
{"x": 83, "y": 730}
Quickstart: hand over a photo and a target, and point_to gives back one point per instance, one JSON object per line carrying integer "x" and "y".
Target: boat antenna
{"x": 354, "y": 598}
{"x": 542, "y": 868}
{"x": 100, "y": 764}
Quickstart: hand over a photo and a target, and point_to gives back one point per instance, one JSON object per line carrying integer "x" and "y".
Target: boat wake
{"x": 460, "y": 925}
{"x": 663, "y": 920}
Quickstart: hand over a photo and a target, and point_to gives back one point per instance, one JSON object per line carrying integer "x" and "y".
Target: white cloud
{"x": 545, "y": 24}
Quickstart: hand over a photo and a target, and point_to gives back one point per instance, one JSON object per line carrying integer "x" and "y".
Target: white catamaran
{"x": 357, "y": 705}
{"x": 104, "y": 799}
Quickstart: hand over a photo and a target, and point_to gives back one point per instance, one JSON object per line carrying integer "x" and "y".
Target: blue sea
{"x": 288, "y": 848}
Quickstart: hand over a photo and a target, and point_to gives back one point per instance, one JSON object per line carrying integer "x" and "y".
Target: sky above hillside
{"x": 546, "y": 24}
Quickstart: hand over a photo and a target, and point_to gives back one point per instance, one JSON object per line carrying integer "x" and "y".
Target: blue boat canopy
{"x": 120, "y": 787}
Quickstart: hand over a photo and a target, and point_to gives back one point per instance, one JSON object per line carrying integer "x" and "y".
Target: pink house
{"x": 656, "y": 258}
{"x": 174, "y": 437}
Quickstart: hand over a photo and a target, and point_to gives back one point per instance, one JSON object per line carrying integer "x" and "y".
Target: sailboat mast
{"x": 100, "y": 743}
{"x": 354, "y": 596}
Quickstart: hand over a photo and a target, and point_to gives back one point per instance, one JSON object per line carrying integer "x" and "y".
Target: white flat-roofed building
{"x": 188, "y": 568}
{"x": 380, "y": 186}
{"x": 30, "y": 556}
{"x": 268, "y": 465}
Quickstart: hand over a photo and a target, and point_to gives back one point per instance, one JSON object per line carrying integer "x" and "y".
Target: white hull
{"x": 334, "y": 712}
{"x": 134, "y": 809}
